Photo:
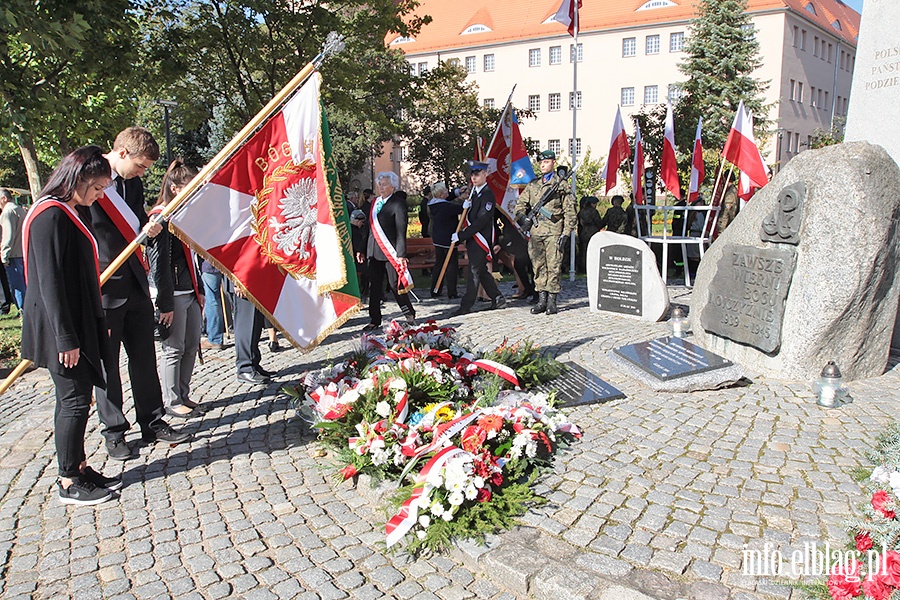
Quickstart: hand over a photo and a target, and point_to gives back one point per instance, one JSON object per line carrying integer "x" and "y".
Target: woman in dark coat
{"x": 63, "y": 326}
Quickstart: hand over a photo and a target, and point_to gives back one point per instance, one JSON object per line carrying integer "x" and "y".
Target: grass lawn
{"x": 10, "y": 338}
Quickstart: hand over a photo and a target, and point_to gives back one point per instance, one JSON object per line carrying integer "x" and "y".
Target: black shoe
{"x": 166, "y": 434}
{"x": 188, "y": 415}
{"x": 252, "y": 378}
{"x": 110, "y": 483}
{"x": 117, "y": 449}
{"x": 452, "y": 296}
{"x": 371, "y": 327}
{"x": 4, "y": 310}
{"x": 498, "y": 302}
{"x": 83, "y": 492}
{"x": 461, "y": 311}
{"x": 411, "y": 320}
{"x": 274, "y": 346}
{"x": 541, "y": 306}
{"x": 265, "y": 373}
{"x": 552, "y": 309}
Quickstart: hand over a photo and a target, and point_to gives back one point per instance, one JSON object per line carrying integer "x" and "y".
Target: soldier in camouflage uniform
{"x": 552, "y": 226}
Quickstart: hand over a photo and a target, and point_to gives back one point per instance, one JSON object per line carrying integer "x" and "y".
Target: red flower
{"x": 844, "y": 581}
{"x": 491, "y": 422}
{"x": 880, "y": 500}
{"x": 348, "y": 472}
{"x": 484, "y": 495}
{"x": 863, "y": 541}
{"x": 473, "y": 439}
{"x": 889, "y": 565}
{"x": 497, "y": 479}
{"x": 875, "y": 587}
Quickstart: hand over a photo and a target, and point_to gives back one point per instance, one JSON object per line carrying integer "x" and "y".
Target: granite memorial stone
{"x": 623, "y": 277}
{"x": 785, "y": 303}
{"x": 578, "y": 386}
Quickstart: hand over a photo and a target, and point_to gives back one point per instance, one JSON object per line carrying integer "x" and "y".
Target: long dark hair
{"x": 84, "y": 164}
{"x": 179, "y": 175}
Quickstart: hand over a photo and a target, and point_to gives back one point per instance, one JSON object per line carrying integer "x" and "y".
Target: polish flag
{"x": 637, "y": 171}
{"x": 618, "y": 152}
{"x": 697, "y": 168}
{"x": 669, "y": 165}
{"x": 741, "y": 150}
{"x": 568, "y": 15}
{"x": 272, "y": 220}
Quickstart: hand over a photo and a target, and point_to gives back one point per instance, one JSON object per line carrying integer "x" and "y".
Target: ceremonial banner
{"x": 698, "y": 170}
{"x": 668, "y": 170}
{"x": 272, "y": 219}
{"x": 508, "y": 162}
{"x": 741, "y": 150}
{"x": 618, "y": 152}
{"x": 637, "y": 169}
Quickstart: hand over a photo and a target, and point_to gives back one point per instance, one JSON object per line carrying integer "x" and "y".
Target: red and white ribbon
{"x": 122, "y": 217}
{"x": 497, "y": 369}
{"x": 42, "y": 205}
{"x": 404, "y": 277}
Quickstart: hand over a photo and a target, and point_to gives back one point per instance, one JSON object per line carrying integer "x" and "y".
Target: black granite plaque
{"x": 670, "y": 357}
{"x": 747, "y": 294}
{"x": 620, "y": 285}
{"x": 577, "y": 386}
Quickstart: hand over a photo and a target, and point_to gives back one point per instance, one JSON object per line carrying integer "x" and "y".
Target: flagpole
{"x": 334, "y": 43}
{"x": 574, "y": 147}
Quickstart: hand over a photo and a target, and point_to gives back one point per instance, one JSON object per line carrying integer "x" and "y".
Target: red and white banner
{"x": 497, "y": 369}
{"x": 668, "y": 169}
{"x": 637, "y": 169}
{"x": 508, "y": 162}
{"x": 741, "y": 150}
{"x": 271, "y": 219}
{"x": 568, "y": 15}
{"x": 698, "y": 170}
{"x": 618, "y": 152}
{"x": 404, "y": 277}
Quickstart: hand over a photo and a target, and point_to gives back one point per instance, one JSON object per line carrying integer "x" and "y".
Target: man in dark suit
{"x": 117, "y": 219}
{"x": 386, "y": 249}
{"x": 479, "y": 237}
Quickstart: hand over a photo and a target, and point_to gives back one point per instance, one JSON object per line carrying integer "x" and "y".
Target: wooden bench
{"x": 420, "y": 252}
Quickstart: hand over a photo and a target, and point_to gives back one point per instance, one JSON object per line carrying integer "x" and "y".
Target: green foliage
{"x": 531, "y": 366}
{"x": 10, "y": 339}
{"x": 587, "y": 176}
{"x": 821, "y": 138}
{"x": 443, "y": 123}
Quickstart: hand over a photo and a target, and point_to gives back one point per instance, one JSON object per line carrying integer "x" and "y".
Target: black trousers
{"x": 131, "y": 325}
{"x": 379, "y": 270}
{"x": 73, "y": 404}
{"x": 248, "y": 326}
{"x": 477, "y": 274}
{"x": 8, "y": 299}
{"x": 451, "y": 277}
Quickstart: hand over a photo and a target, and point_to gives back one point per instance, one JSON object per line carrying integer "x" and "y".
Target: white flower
{"x": 349, "y": 397}
{"x": 471, "y": 492}
{"x": 880, "y": 474}
{"x": 420, "y": 534}
{"x": 365, "y": 386}
{"x": 424, "y": 520}
{"x": 437, "y": 509}
{"x": 894, "y": 479}
{"x": 397, "y": 384}
{"x": 447, "y": 516}
{"x": 478, "y": 481}
{"x": 455, "y": 499}
{"x": 383, "y": 409}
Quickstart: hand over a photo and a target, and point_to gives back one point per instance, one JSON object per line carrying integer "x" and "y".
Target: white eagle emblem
{"x": 298, "y": 208}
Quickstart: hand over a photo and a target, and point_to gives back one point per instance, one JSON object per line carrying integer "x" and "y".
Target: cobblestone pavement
{"x": 659, "y": 499}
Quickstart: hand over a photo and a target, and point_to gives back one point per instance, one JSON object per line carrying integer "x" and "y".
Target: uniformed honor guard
{"x": 548, "y": 207}
{"x": 478, "y": 233}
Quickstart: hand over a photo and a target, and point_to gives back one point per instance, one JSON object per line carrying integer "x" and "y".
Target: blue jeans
{"x": 215, "y": 320}
{"x": 15, "y": 271}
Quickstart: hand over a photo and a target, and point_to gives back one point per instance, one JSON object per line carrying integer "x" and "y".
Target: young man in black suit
{"x": 387, "y": 249}
{"x": 479, "y": 237}
{"x": 117, "y": 219}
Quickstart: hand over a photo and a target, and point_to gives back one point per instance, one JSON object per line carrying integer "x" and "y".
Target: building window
{"x": 792, "y": 95}
{"x": 534, "y": 57}
{"x": 570, "y": 100}
{"x": 554, "y": 146}
{"x": 674, "y": 93}
{"x": 554, "y": 102}
{"x": 489, "y": 103}
{"x": 816, "y": 46}
{"x": 404, "y": 153}
{"x": 799, "y": 96}
{"x": 812, "y": 97}
{"x": 825, "y": 105}
{"x": 412, "y": 68}
{"x": 423, "y": 68}
{"x": 628, "y": 96}
{"x": 629, "y": 47}
{"x": 830, "y": 53}
{"x": 577, "y": 147}
{"x": 488, "y": 63}
{"x": 676, "y": 41}
{"x": 534, "y": 103}
{"x": 572, "y": 52}
{"x": 803, "y": 39}
{"x": 555, "y": 55}
{"x": 454, "y": 62}
{"x": 651, "y": 94}
{"x": 795, "y": 37}
{"x": 652, "y": 44}
{"x": 470, "y": 64}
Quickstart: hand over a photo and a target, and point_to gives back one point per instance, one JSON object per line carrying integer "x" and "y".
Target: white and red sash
{"x": 480, "y": 239}
{"x": 122, "y": 217}
{"x": 42, "y": 205}
{"x": 188, "y": 255}
{"x": 404, "y": 277}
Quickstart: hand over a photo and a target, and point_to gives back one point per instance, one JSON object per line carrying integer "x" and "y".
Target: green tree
{"x": 835, "y": 135}
{"x": 62, "y": 67}
{"x": 444, "y": 122}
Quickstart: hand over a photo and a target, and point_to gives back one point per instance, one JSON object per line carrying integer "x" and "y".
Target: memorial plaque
{"x": 671, "y": 358}
{"x": 619, "y": 288}
{"x": 578, "y": 386}
{"x": 747, "y": 295}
